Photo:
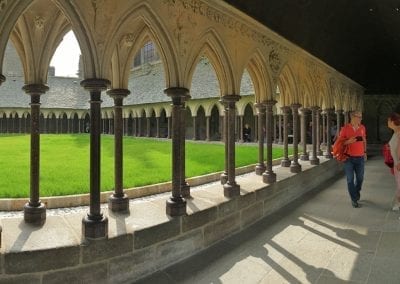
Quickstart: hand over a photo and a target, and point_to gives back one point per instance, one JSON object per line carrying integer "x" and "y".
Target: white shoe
{"x": 396, "y": 207}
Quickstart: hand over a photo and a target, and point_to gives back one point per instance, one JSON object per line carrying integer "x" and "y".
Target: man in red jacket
{"x": 354, "y": 134}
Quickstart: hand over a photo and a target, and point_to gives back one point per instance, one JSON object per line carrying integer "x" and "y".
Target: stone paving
{"x": 317, "y": 239}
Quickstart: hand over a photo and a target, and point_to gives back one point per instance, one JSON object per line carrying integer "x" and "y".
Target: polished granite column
{"x": 118, "y": 201}
{"x": 231, "y": 188}
{"x": 176, "y": 204}
{"x": 224, "y": 175}
{"x": 295, "y": 167}
{"x": 260, "y": 167}
{"x": 328, "y": 152}
{"x": 95, "y": 225}
{"x": 269, "y": 176}
{"x": 34, "y": 210}
{"x": 185, "y": 187}
{"x": 319, "y": 131}
{"x": 303, "y": 132}
{"x": 314, "y": 160}
{"x": 285, "y": 162}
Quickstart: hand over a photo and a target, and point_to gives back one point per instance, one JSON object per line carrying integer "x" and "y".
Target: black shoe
{"x": 355, "y": 204}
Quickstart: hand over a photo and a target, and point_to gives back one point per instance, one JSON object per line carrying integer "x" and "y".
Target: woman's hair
{"x": 395, "y": 117}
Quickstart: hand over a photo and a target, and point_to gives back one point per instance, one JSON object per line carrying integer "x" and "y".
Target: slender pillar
{"x": 256, "y": 134}
{"x": 328, "y": 152}
{"x": 118, "y": 201}
{"x": 194, "y": 128}
{"x": 324, "y": 133}
{"x": 241, "y": 126}
{"x": 274, "y": 129}
{"x": 285, "y": 161}
{"x": 207, "y": 128}
{"x": 95, "y": 225}
{"x": 224, "y": 175}
{"x": 158, "y": 127}
{"x": 2, "y": 79}
{"x": 34, "y": 210}
{"x": 339, "y": 113}
{"x": 318, "y": 131}
{"x": 147, "y": 126}
{"x": 176, "y": 204}
{"x": 231, "y": 188}
{"x": 314, "y": 116}
{"x": 346, "y": 117}
{"x": 260, "y": 167}
{"x": 269, "y": 176}
{"x": 280, "y": 140}
{"x": 169, "y": 127}
{"x": 303, "y": 133}
{"x": 185, "y": 187}
{"x": 295, "y": 167}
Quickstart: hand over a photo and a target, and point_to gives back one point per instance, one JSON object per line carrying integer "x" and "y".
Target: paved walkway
{"x": 318, "y": 239}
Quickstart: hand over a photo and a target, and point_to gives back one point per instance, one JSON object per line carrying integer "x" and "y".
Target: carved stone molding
{"x": 39, "y": 22}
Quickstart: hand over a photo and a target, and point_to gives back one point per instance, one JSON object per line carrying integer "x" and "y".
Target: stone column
{"x": 275, "y": 134}
{"x": 95, "y": 225}
{"x": 325, "y": 132}
{"x": 224, "y": 175}
{"x": 260, "y": 167}
{"x": 176, "y": 204}
{"x": 169, "y": 127}
{"x": 158, "y": 127}
{"x": 285, "y": 162}
{"x": 185, "y": 187}
{"x": 2, "y": 79}
{"x": 34, "y": 210}
{"x": 318, "y": 133}
{"x": 241, "y": 139}
{"x": 207, "y": 128}
{"x": 328, "y": 152}
{"x": 256, "y": 134}
{"x": 280, "y": 140}
{"x": 231, "y": 188}
{"x": 147, "y": 126}
{"x": 269, "y": 176}
{"x": 222, "y": 126}
{"x": 303, "y": 132}
{"x": 295, "y": 167}
{"x": 314, "y": 116}
{"x": 194, "y": 128}
{"x": 339, "y": 113}
{"x": 118, "y": 201}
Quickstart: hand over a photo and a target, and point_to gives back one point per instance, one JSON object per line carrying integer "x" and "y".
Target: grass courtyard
{"x": 64, "y": 166}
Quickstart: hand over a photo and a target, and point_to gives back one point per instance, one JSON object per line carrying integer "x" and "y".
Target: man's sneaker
{"x": 396, "y": 207}
{"x": 355, "y": 204}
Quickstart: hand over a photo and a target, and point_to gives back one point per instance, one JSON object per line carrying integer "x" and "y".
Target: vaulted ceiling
{"x": 359, "y": 38}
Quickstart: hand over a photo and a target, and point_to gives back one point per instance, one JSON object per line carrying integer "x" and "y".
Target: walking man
{"x": 354, "y": 134}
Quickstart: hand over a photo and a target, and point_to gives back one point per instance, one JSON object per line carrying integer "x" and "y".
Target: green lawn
{"x": 65, "y": 162}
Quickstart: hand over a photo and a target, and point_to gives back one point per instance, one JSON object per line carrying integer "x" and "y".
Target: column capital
{"x": 315, "y": 108}
{"x": 95, "y": 84}
{"x": 339, "y": 111}
{"x": 2, "y": 78}
{"x": 270, "y": 102}
{"x": 260, "y": 106}
{"x": 177, "y": 92}
{"x": 286, "y": 109}
{"x": 295, "y": 106}
{"x": 229, "y": 100}
{"x": 35, "y": 89}
{"x": 118, "y": 95}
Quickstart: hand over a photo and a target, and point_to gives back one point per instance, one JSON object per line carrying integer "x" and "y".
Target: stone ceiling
{"x": 360, "y": 38}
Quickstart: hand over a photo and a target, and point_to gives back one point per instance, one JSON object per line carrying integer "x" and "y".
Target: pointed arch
{"x": 210, "y": 45}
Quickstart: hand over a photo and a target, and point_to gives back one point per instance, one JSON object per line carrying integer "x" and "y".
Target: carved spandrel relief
{"x": 274, "y": 61}
{"x": 39, "y": 23}
{"x": 201, "y": 8}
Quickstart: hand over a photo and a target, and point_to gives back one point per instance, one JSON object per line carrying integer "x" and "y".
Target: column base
{"x": 118, "y": 204}
{"x": 304, "y": 157}
{"x": 319, "y": 153}
{"x": 269, "y": 177}
{"x": 328, "y": 155}
{"x": 314, "y": 161}
{"x": 285, "y": 163}
{"x": 176, "y": 206}
{"x": 231, "y": 189}
{"x": 35, "y": 215}
{"x": 260, "y": 169}
{"x": 185, "y": 190}
{"x": 295, "y": 167}
{"x": 224, "y": 178}
{"x": 94, "y": 229}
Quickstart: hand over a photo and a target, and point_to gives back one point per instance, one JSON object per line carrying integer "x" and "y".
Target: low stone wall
{"x": 131, "y": 255}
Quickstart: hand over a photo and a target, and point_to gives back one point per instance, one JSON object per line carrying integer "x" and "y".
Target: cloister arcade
{"x": 110, "y": 33}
